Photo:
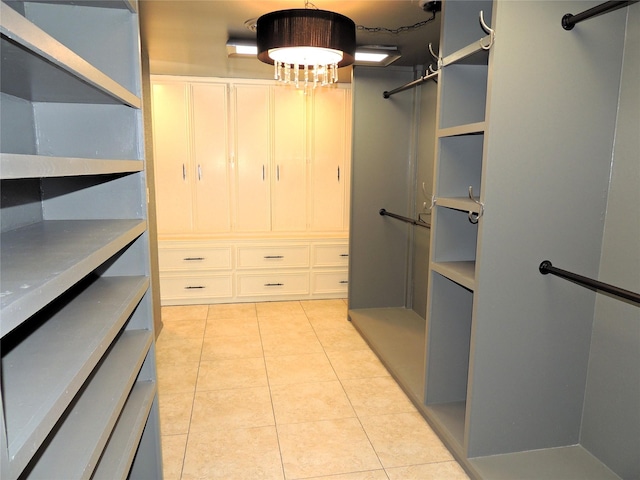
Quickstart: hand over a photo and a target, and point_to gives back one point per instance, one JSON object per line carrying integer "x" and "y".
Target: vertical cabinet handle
{"x": 278, "y": 172}
{"x": 338, "y": 172}
{"x": 199, "y": 172}
{"x": 184, "y": 172}
{"x": 263, "y": 173}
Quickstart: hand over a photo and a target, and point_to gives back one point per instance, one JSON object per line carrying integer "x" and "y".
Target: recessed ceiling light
{"x": 370, "y": 57}
{"x": 242, "y": 48}
{"x": 381, "y": 55}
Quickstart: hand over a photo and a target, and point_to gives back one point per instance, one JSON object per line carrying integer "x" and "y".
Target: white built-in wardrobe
{"x": 252, "y": 185}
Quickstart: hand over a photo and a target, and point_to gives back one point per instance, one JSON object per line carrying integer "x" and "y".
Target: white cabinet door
{"x": 171, "y": 157}
{"x": 330, "y": 148}
{"x": 252, "y": 158}
{"x": 210, "y": 158}
{"x": 289, "y": 177}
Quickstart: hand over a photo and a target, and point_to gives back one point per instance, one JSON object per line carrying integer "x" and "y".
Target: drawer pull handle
{"x": 274, "y": 284}
{"x": 194, "y": 287}
{"x": 273, "y": 256}
{"x": 193, "y": 259}
{"x": 344, "y": 254}
{"x": 344, "y": 281}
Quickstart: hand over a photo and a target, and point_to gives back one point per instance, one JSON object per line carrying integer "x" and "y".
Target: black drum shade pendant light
{"x": 306, "y": 45}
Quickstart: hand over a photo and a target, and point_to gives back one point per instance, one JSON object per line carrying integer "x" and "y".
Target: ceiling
{"x": 188, "y": 37}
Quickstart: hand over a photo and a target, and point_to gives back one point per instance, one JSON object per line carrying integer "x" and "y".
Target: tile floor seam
{"x": 352, "y": 406}
{"x": 195, "y": 389}
{"x": 273, "y": 412}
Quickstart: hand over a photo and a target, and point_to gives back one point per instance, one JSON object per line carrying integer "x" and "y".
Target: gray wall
{"x": 393, "y": 148}
{"x": 382, "y": 166}
{"x": 611, "y": 418}
{"x": 427, "y": 95}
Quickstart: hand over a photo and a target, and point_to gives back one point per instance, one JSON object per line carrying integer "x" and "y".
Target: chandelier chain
{"x": 396, "y": 31}
{"x": 393, "y": 31}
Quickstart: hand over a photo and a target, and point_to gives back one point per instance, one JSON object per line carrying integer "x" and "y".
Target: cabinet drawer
{"x": 203, "y": 258}
{"x": 330, "y": 282}
{"x": 204, "y": 286}
{"x": 273, "y": 256}
{"x": 285, "y": 283}
{"x": 330, "y": 255}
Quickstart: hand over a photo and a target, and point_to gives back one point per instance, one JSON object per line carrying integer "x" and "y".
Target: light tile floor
{"x": 285, "y": 391}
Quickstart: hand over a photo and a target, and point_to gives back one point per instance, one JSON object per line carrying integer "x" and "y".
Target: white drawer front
{"x": 205, "y": 258}
{"x": 273, "y": 256}
{"x": 330, "y": 255}
{"x": 330, "y": 282}
{"x": 209, "y": 286}
{"x": 273, "y": 284}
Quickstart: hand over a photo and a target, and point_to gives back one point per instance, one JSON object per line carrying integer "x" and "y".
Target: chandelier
{"x": 306, "y": 46}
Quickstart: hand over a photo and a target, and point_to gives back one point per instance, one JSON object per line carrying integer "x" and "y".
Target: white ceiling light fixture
{"x": 306, "y": 45}
{"x": 381, "y": 55}
{"x": 242, "y": 48}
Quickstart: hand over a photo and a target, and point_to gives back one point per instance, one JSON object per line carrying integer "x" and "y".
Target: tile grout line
{"x": 324, "y": 350}
{"x": 273, "y": 411}
{"x": 195, "y": 389}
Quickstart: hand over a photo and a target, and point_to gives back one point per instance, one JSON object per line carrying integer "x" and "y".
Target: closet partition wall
{"x": 392, "y": 161}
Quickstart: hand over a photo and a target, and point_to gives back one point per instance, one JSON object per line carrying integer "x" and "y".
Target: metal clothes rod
{"x": 569, "y": 20}
{"x": 546, "y": 267}
{"x": 409, "y": 85}
{"x": 419, "y": 223}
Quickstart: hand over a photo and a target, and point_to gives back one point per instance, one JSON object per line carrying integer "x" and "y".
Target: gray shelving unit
{"x": 77, "y": 353}
{"x": 524, "y": 377}
{"x": 506, "y": 356}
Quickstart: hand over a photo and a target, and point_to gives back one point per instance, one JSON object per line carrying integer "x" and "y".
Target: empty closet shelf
{"x": 41, "y": 261}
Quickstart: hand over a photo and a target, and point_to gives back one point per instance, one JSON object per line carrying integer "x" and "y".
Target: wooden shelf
{"x": 468, "y": 129}
{"x": 130, "y": 5}
{"x": 37, "y": 391}
{"x": 544, "y": 464}
{"x": 85, "y": 429}
{"x": 118, "y": 455}
{"x": 397, "y": 335}
{"x": 449, "y": 419}
{"x": 41, "y": 261}
{"x": 15, "y": 166}
{"x": 38, "y": 68}
{"x": 462, "y": 273}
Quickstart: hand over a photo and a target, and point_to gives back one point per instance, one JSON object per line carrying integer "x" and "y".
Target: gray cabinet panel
{"x": 75, "y": 315}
